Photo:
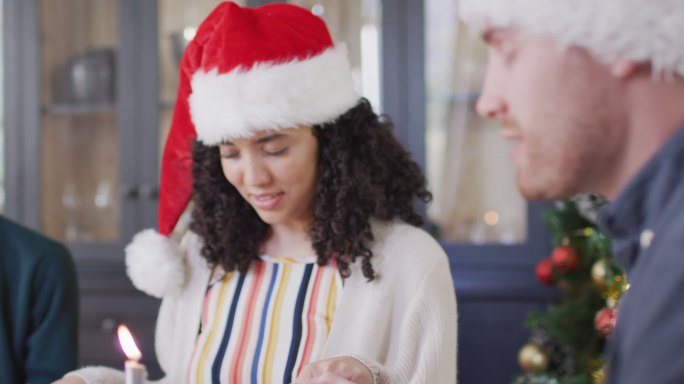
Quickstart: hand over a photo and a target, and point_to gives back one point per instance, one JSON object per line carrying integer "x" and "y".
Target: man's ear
{"x": 623, "y": 68}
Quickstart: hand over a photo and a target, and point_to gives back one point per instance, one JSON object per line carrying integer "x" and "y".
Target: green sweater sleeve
{"x": 38, "y": 307}
{"x": 51, "y": 346}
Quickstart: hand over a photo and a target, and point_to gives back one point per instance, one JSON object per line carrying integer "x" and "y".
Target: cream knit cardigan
{"x": 402, "y": 325}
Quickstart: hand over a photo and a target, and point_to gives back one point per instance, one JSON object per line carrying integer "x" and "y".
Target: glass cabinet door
{"x": 2, "y": 118}
{"x": 178, "y": 22}
{"x": 79, "y": 135}
{"x": 357, "y": 24}
{"x": 473, "y": 181}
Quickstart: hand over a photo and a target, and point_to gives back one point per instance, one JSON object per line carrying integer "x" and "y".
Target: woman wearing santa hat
{"x": 303, "y": 262}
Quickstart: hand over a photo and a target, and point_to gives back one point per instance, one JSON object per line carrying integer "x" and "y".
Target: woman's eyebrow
{"x": 269, "y": 138}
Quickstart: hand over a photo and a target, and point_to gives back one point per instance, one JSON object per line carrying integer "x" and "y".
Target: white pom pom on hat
{"x": 245, "y": 71}
{"x": 155, "y": 264}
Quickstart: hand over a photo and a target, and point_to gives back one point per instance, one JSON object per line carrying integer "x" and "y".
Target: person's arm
{"x": 428, "y": 335}
{"x": 52, "y": 344}
{"x": 94, "y": 375}
{"x": 427, "y": 345}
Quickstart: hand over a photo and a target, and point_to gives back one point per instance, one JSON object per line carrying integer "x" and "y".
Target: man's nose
{"x": 490, "y": 106}
{"x": 491, "y": 103}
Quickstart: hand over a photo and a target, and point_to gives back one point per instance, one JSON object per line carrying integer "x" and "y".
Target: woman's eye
{"x": 276, "y": 152}
{"x": 231, "y": 155}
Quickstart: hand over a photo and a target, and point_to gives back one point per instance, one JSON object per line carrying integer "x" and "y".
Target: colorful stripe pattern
{"x": 266, "y": 325}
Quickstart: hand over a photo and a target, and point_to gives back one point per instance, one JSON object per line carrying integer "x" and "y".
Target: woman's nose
{"x": 255, "y": 172}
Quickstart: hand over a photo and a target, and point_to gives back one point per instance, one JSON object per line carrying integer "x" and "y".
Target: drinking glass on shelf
{"x": 71, "y": 204}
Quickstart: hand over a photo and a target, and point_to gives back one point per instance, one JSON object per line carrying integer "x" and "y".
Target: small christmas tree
{"x": 567, "y": 340}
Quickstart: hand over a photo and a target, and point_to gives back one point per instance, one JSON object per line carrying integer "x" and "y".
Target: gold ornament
{"x": 532, "y": 358}
{"x": 599, "y": 273}
{"x": 598, "y": 370}
{"x": 618, "y": 285}
{"x": 599, "y": 376}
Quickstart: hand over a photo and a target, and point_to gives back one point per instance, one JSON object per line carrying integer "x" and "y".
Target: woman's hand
{"x": 338, "y": 370}
{"x": 326, "y": 378}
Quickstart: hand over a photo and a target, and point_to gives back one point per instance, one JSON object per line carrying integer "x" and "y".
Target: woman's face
{"x": 275, "y": 172}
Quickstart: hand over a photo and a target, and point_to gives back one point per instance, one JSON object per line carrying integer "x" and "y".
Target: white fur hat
{"x": 639, "y": 30}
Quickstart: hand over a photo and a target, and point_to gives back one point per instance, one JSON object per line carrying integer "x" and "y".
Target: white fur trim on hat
{"x": 639, "y": 30}
{"x": 154, "y": 263}
{"x": 271, "y": 96}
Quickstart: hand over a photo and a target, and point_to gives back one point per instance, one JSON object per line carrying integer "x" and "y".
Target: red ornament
{"x": 565, "y": 259}
{"x": 605, "y": 320}
{"x": 544, "y": 271}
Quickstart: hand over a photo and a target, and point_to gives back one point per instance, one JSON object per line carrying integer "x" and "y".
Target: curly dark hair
{"x": 363, "y": 173}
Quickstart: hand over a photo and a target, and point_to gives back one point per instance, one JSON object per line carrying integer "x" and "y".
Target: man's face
{"x": 558, "y": 107}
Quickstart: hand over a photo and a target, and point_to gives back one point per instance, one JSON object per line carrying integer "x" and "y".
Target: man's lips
{"x": 515, "y": 150}
{"x": 516, "y": 141}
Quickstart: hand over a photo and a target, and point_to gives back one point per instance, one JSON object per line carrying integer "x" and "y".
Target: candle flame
{"x": 128, "y": 344}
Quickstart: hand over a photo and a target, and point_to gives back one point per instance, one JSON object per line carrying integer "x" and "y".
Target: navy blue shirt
{"x": 646, "y": 223}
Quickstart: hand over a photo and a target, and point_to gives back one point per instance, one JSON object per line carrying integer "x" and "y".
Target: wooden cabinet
{"x": 91, "y": 86}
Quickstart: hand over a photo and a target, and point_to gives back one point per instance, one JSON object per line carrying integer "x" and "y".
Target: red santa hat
{"x": 640, "y": 30}
{"x": 246, "y": 71}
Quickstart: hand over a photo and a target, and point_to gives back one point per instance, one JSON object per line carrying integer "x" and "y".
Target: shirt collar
{"x": 643, "y": 199}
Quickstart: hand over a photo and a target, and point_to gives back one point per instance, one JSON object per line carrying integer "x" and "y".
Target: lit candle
{"x": 135, "y": 372}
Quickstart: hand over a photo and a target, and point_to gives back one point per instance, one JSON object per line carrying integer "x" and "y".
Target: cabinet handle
{"x": 149, "y": 191}
{"x": 128, "y": 192}
{"x": 108, "y": 326}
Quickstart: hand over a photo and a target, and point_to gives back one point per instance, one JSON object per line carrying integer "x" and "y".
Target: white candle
{"x": 134, "y": 371}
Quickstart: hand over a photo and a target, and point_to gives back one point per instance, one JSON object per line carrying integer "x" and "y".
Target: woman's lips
{"x": 266, "y": 201}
